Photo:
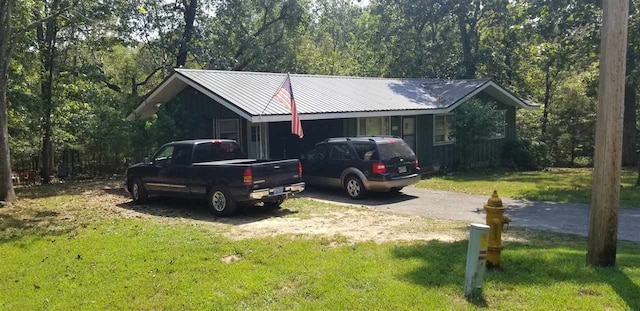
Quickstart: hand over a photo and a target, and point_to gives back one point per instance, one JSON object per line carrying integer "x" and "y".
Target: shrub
{"x": 524, "y": 155}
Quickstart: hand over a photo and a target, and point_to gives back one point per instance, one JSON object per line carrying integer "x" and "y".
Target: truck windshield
{"x": 216, "y": 151}
{"x": 395, "y": 149}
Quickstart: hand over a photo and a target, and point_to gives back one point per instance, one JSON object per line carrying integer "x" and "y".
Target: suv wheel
{"x": 221, "y": 202}
{"x": 354, "y": 187}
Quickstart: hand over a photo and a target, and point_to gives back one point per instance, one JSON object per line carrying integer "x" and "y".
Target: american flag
{"x": 285, "y": 96}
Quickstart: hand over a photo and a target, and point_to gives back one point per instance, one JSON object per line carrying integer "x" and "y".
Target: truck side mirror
{"x": 146, "y": 160}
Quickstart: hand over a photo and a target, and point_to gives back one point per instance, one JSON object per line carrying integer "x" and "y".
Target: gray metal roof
{"x": 250, "y": 93}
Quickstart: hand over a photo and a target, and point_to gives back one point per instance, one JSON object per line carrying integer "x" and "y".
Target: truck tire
{"x": 139, "y": 193}
{"x": 354, "y": 187}
{"x": 221, "y": 202}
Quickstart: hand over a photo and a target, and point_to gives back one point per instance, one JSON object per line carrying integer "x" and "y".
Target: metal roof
{"x": 250, "y": 94}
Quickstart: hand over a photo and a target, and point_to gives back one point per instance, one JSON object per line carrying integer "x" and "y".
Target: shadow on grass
{"x": 196, "y": 209}
{"x": 525, "y": 264}
{"x": 72, "y": 187}
{"x": 15, "y": 226}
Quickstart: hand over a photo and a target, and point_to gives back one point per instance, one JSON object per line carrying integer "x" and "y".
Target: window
{"x": 442, "y": 129}
{"x": 366, "y": 151}
{"x": 374, "y": 126}
{"x": 317, "y": 154}
{"x": 395, "y": 149}
{"x": 208, "y": 152}
{"x": 181, "y": 155}
{"x": 229, "y": 129}
{"x": 339, "y": 152}
{"x": 163, "y": 157}
{"x": 503, "y": 129}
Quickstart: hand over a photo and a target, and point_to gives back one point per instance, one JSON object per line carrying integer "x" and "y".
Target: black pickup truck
{"x": 215, "y": 170}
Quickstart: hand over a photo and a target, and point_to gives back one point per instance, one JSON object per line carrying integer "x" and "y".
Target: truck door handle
{"x": 276, "y": 167}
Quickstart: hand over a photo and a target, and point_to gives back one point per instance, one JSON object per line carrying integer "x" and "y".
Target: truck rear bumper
{"x": 288, "y": 190}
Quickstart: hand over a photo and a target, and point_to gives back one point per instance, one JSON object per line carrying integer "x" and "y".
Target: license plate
{"x": 402, "y": 169}
{"x": 278, "y": 190}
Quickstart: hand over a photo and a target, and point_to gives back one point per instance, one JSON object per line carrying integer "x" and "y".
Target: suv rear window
{"x": 208, "y": 152}
{"x": 366, "y": 151}
{"x": 394, "y": 149}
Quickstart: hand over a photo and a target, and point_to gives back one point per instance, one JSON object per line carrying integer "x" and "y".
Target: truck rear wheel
{"x": 354, "y": 187}
{"x": 221, "y": 202}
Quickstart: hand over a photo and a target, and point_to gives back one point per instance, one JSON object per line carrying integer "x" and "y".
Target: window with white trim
{"x": 374, "y": 126}
{"x": 443, "y": 129}
{"x": 229, "y": 129}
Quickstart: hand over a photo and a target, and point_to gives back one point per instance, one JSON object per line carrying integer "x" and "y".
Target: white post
{"x": 476, "y": 258}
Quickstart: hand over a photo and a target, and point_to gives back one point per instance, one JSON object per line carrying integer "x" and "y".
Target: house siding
{"x": 200, "y": 111}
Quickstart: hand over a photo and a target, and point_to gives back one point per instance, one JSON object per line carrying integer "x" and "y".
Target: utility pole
{"x": 605, "y": 197}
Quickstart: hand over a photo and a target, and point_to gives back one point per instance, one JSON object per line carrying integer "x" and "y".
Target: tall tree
{"x": 6, "y": 51}
{"x": 190, "y": 9}
{"x": 47, "y": 34}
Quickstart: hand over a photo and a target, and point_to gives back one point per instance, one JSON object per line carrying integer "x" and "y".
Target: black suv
{"x": 361, "y": 164}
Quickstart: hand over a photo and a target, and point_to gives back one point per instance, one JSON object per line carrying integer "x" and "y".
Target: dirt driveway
{"x": 297, "y": 217}
{"x": 548, "y": 216}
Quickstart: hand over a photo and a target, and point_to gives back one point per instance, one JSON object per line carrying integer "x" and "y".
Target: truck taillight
{"x": 379, "y": 168}
{"x": 417, "y": 164}
{"x": 248, "y": 177}
{"x": 300, "y": 169}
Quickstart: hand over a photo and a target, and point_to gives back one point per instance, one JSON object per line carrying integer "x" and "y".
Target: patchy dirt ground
{"x": 80, "y": 204}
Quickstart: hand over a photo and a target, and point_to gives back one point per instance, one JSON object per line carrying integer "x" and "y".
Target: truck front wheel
{"x": 138, "y": 192}
{"x": 221, "y": 202}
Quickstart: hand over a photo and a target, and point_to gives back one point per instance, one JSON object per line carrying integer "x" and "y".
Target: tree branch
{"x": 35, "y": 24}
{"x": 150, "y": 75}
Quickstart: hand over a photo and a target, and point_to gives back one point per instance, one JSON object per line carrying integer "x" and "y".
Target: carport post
{"x": 476, "y": 258}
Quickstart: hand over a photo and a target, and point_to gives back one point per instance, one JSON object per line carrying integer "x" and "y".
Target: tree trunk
{"x": 629, "y": 141}
{"x": 48, "y": 58}
{"x": 190, "y": 10}
{"x": 7, "y": 193}
{"x": 467, "y": 55}
{"x": 638, "y": 181}
{"x": 546, "y": 101}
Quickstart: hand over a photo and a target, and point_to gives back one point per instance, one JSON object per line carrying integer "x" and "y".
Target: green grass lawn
{"x": 558, "y": 185}
{"x": 56, "y": 259}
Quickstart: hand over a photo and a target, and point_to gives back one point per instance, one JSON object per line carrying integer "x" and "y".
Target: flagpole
{"x": 274, "y": 95}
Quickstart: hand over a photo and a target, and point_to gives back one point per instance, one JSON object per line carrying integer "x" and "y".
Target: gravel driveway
{"x": 549, "y": 216}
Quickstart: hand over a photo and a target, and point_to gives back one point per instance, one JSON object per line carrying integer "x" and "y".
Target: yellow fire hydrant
{"x": 496, "y": 221}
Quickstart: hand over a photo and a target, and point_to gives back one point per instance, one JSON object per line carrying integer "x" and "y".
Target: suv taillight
{"x": 379, "y": 168}
{"x": 299, "y": 169}
{"x": 248, "y": 177}
{"x": 417, "y": 164}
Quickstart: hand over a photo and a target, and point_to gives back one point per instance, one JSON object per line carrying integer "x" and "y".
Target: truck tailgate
{"x": 275, "y": 173}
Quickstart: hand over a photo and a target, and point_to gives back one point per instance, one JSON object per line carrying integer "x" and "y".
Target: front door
{"x": 409, "y": 132}
{"x": 258, "y": 140}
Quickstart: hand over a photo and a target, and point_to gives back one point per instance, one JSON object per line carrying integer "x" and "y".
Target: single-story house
{"x": 240, "y": 106}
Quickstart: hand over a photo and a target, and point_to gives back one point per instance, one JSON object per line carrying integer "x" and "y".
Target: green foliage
{"x": 474, "y": 123}
{"x": 524, "y": 155}
{"x": 111, "y": 54}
